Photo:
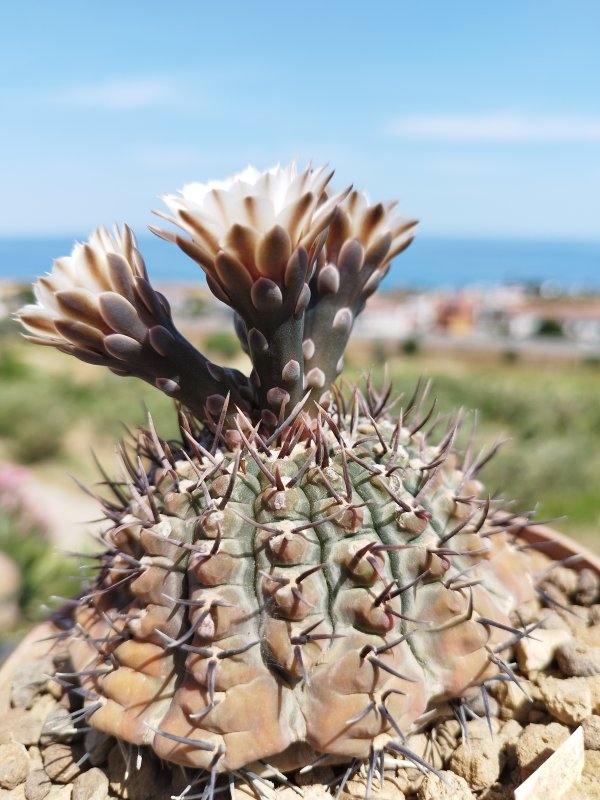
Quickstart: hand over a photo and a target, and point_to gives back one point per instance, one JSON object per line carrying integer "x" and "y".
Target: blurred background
{"x": 482, "y": 119}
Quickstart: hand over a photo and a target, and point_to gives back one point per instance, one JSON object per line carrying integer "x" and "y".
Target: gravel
{"x": 45, "y": 756}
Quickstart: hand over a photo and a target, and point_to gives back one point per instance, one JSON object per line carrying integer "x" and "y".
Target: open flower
{"x": 89, "y": 296}
{"x": 249, "y": 226}
{"x": 98, "y": 305}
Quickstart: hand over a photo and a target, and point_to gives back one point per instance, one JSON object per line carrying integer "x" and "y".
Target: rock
{"x": 537, "y": 743}
{"x": 58, "y": 727}
{"x": 593, "y": 682}
{"x": 98, "y": 745}
{"x": 498, "y": 792}
{"x": 515, "y": 702}
{"x": 14, "y": 765}
{"x": 590, "y": 635}
{"x": 588, "y": 590}
{"x": 567, "y": 580}
{"x": 553, "y": 621}
{"x": 537, "y": 652}
{"x": 28, "y": 681}
{"x": 455, "y": 788}
{"x": 355, "y": 789}
{"x": 480, "y": 760}
{"x": 591, "y": 732}
{"x": 18, "y": 793}
{"x": 38, "y": 785}
{"x": 478, "y": 729}
{"x": 60, "y": 793}
{"x": 18, "y": 725}
{"x": 509, "y": 736}
{"x": 317, "y": 792}
{"x": 528, "y": 612}
{"x": 590, "y": 780}
{"x": 35, "y": 758}
{"x": 595, "y": 614}
{"x": 60, "y": 762}
{"x": 568, "y": 700}
{"x": 578, "y": 659}
{"x": 510, "y": 731}
{"x": 577, "y": 618}
{"x": 91, "y": 785}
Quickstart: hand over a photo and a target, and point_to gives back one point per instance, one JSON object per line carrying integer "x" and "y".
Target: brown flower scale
{"x": 304, "y": 577}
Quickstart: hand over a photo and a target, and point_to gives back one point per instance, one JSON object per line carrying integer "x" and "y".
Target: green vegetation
{"x": 550, "y": 327}
{"x": 221, "y": 343}
{"x": 44, "y": 571}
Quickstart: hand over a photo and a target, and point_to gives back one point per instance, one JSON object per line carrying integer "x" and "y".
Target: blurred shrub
{"x": 550, "y": 327}
{"x": 411, "y": 346}
{"x": 24, "y": 538}
{"x": 11, "y": 366}
{"x": 222, "y": 343}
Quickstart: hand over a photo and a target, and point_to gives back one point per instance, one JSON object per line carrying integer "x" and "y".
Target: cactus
{"x": 308, "y": 573}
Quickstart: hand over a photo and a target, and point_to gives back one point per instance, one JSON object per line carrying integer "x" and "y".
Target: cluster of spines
{"x": 136, "y": 493}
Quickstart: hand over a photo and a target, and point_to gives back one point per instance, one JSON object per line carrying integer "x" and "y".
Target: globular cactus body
{"x": 302, "y": 576}
{"x": 271, "y": 602}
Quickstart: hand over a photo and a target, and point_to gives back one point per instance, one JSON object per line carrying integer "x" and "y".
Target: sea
{"x": 570, "y": 267}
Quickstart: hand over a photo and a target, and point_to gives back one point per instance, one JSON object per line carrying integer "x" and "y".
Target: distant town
{"x": 512, "y": 319}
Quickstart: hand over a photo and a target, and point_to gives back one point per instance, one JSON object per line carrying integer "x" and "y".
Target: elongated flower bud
{"x": 362, "y": 240}
{"x": 98, "y": 305}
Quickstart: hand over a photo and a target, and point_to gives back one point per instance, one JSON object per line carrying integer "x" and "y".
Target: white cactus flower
{"x": 253, "y": 220}
{"x": 89, "y": 294}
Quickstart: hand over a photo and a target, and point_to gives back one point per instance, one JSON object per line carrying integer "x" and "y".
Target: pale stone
{"x": 60, "y": 763}
{"x": 91, "y": 785}
{"x": 14, "y": 765}
{"x": 19, "y": 725}
{"x": 38, "y": 785}
{"x": 558, "y": 773}
{"x": 28, "y": 681}
{"x": 591, "y": 732}
{"x": 454, "y": 788}
{"x": 479, "y": 761}
{"x": 578, "y": 659}
{"x": 537, "y": 652}
{"x": 568, "y": 700}
{"x": 537, "y": 743}
{"x": 566, "y": 579}
{"x": 590, "y": 635}
{"x": 515, "y": 702}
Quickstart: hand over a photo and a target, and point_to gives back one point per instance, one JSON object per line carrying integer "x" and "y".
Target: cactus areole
{"x": 308, "y": 573}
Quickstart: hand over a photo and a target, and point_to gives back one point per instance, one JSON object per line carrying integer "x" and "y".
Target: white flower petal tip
{"x": 77, "y": 301}
{"x": 256, "y": 219}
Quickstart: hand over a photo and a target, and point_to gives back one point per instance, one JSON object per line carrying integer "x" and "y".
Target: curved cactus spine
{"x": 301, "y": 579}
{"x": 314, "y": 596}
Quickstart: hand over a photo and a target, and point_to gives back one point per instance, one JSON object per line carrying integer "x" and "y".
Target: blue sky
{"x": 483, "y": 118}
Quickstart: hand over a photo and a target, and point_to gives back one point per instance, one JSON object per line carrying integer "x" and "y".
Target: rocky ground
{"x": 47, "y": 753}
